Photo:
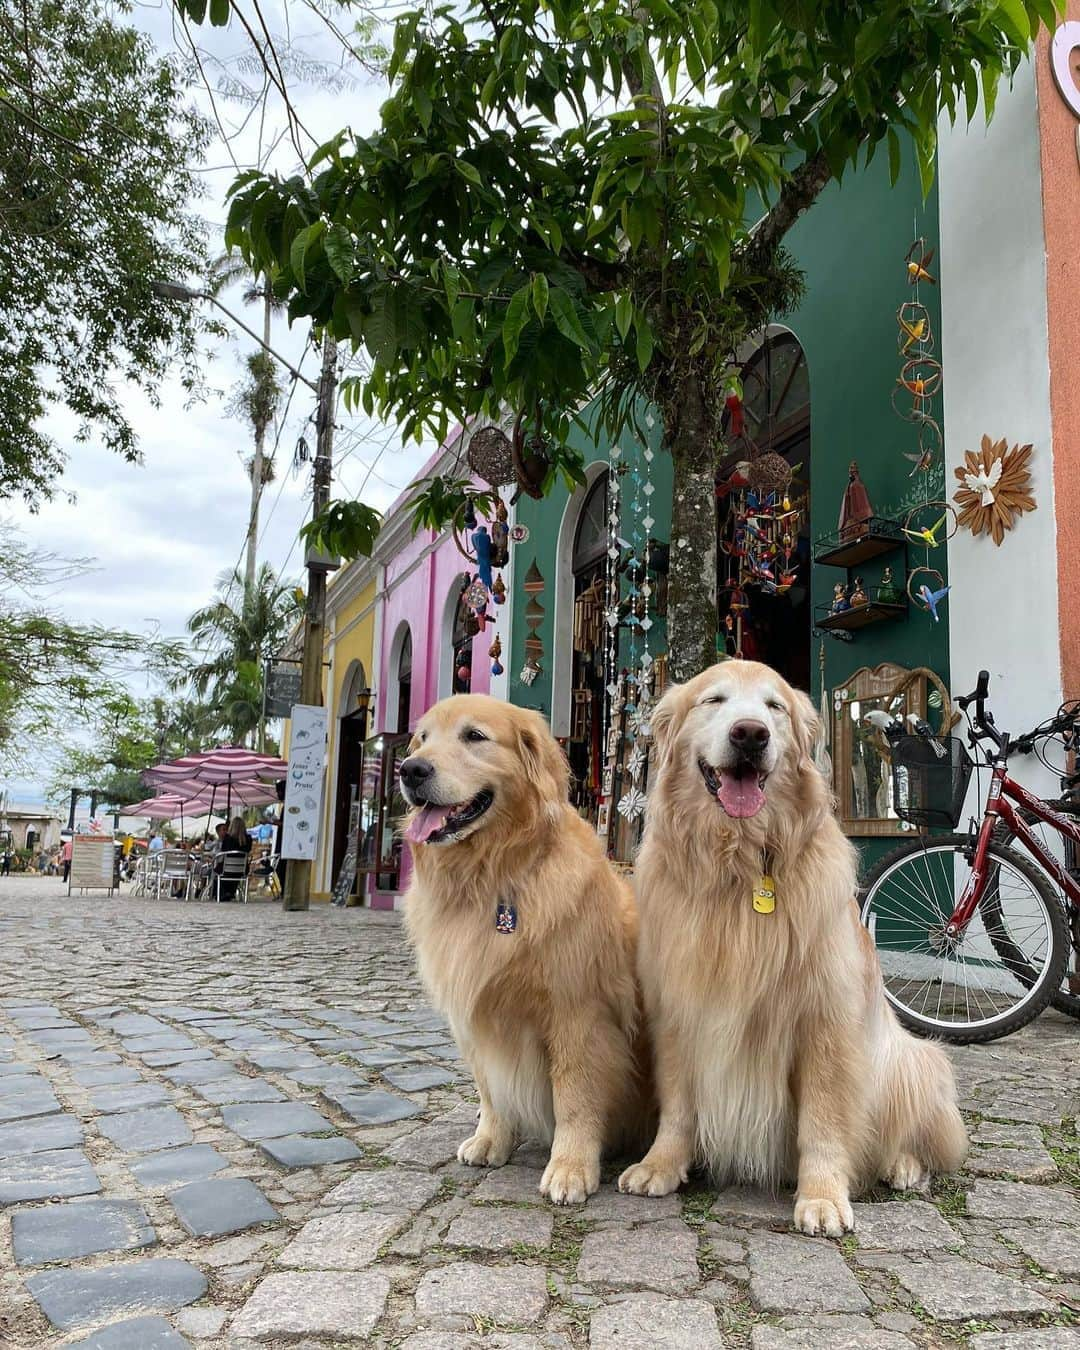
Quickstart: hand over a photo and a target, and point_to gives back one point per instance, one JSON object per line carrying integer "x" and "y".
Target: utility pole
{"x": 297, "y": 893}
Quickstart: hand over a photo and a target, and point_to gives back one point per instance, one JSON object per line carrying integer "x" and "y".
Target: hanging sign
{"x": 91, "y": 863}
{"x": 304, "y": 783}
{"x": 281, "y": 687}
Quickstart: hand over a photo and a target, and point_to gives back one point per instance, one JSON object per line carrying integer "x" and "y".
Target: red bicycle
{"x": 972, "y": 938}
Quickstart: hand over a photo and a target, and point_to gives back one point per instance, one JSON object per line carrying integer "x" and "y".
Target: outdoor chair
{"x": 141, "y": 882}
{"x": 174, "y": 866}
{"x": 232, "y": 868}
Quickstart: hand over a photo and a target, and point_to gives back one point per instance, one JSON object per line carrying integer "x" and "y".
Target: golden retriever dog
{"x": 778, "y": 1058}
{"x": 525, "y": 939}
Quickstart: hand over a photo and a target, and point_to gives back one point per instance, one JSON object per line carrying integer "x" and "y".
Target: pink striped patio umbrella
{"x": 222, "y": 767}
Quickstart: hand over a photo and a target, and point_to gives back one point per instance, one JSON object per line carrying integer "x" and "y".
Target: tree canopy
{"x": 96, "y": 186}
{"x": 572, "y": 198}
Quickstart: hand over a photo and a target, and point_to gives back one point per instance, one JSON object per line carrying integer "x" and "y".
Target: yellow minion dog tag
{"x": 764, "y": 895}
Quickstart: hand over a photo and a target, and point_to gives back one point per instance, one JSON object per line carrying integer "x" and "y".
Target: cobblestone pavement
{"x": 228, "y": 1126}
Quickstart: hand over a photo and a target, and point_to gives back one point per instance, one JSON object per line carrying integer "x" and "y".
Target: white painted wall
{"x": 1003, "y": 606}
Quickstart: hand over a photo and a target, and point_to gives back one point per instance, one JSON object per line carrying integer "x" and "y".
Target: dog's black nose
{"x": 749, "y": 735}
{"x": 415, "y": 771}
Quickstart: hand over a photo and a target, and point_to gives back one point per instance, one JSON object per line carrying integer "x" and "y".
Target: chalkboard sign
{"x": 346, "y": 877}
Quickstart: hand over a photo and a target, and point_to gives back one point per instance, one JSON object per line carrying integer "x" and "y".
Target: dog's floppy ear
{"x": 664, "y": 725}
{"x": 808, "y": 726}
{"x": 544, "y": 762}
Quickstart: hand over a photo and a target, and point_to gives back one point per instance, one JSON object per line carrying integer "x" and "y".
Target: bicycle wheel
{"x": 962, "y": 989}
{"x": 1066, "y": 998}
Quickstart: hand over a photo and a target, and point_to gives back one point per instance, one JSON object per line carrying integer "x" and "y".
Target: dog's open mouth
{"x": 740, "y": 790}
{"x": 438, "y": 822}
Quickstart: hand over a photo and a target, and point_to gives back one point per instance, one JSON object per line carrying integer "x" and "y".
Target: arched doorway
{"x": 770, "y": 621}
{"x": 352, "y": 731}
{"x": 403, "y": 680}
{"x": 585, "y": 750}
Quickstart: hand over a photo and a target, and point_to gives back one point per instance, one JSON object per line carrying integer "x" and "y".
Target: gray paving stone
{"x": 661, "y": 1257}
{"x": 1054, "y": 1249}
{"x": 18, "y": 1085}
{"x": 509, "y": 1340}
{"x": 1012, "y": 1135}
{"x": 42, "y": 1021}
{"x": 40, "y": 1136}
{"x": 201, "y": 1071}
{"x": 650, "y": 1322}
{"x": 503, "y": 1294}
{"x": 238, "y": 1089}
{"x": 135, "y": 1024}
{"x": 73, "y": 1298}
{"x": 513, "y": 1184}
{"x": 175, "y": 1165}
{"x": 145, "y": 1045}
{"x": 828, "y": 1338}
{"x": 276, "y": 1060}
{"x": 56, "y": 1175}
{"x": 347, "y": 1241}
{"x": 609, "y": 1204}
{"x": 25, "y": 1105}
{"x": 417, "y": 1080}
{"x": 1031, "y": 1338}
{"x": 799, "y": 1274}
{"x": 65, "y": 1232}
{"x": 498, "y": 1230}
{"x": 111, "y": 1100}
{"x": 117, "y": 1073}
{"x": 370, "y": 1108}
{"x": 312, "y": 1303}
{"x": 757, "y": 1206}
{"x": 324, "y": 1075}
{"x": 156, "y": 1127}
{"x": 390, "y": 1189}
{"x": 138, "y": 1333}
{"x": 1025, "y": 1164}
{"x": 15, "y": 1068}
{"x": 254, "y": 1121}
{"x": 1016, "y": 1200}
{"x": 163, "y": 1058}
{"x": 62, "y": 1036}
{"x": 88, "y": 1056}
{"x": 302, "y": 1150}
{"x": 954, "y": 1290}
{"x": 903, "y": 1226}
{"x": 378, "y": 1059}
{"x": 437, "y": 1143}
{"x": 220, "y": 1206}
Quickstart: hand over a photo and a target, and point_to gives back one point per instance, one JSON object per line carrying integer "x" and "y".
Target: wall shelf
{"x": 860, "y": 616}
{"x": 879, "y": 535}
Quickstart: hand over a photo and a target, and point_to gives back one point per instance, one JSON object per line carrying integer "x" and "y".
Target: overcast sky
{"x": 162, "y": 531}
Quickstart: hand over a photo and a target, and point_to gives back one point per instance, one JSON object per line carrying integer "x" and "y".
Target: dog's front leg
{"x": 494, "y": 1140}
{"x": 589, "y": 1060}
{"x": 667, "y": 1164}
{"x": 831, "y": 1127}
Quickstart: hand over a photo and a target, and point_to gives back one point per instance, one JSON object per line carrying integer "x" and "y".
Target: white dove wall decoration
{"x": 985, "y": 481}
{"x": 995, "y": 488}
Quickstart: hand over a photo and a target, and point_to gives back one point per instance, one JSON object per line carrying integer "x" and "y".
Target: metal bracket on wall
{"x": 837, "y": 634}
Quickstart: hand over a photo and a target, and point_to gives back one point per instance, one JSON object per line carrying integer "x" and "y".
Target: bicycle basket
{"x": 930, "y": 780}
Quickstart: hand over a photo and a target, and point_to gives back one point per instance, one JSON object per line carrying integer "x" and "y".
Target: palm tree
{"x": 237, "y": 641}
{"x": 258, "y": 397}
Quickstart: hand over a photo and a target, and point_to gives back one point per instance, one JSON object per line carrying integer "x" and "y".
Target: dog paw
{"x": 569, "y": 1181}
{"x": 652, "y": 1178}
{"x": 480, "y": 1150}
{"x": 906, "y": 1173}
{"x": 832, "y": 1218}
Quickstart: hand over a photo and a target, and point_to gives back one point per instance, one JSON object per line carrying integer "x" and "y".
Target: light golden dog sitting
{"x": 777, "y": 1055}
{"x": 524, "y": 937}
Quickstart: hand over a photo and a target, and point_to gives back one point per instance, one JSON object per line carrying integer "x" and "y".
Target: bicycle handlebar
{"x": 978, "y": 694}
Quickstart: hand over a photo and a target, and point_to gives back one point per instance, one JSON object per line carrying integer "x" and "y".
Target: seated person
{"x": 234, "y": 840}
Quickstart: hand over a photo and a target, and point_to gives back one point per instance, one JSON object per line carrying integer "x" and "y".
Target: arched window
{"x": 776, "y": 394}
{"x": 590, "y": 537}
{"x": 464, "y": 629}
{"x": 404, "y": 681}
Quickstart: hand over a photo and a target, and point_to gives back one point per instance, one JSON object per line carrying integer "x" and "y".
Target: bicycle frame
{"x": 998, "y": 807}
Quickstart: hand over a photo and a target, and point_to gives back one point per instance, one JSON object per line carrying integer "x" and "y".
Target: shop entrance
{"x": 585, "y": 751}
{"x": 764, "y": 605}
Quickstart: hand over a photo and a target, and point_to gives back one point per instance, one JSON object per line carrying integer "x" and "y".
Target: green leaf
{"x": 468, "y": 171}
{"x": 299, "y": 247}
{"x": 515, "y": 319}
{"x": 624, "y": 313}
{"x": 645, "y": 344}
{"x": 566, "y": 319}
{"x": 346, "y": 529}
{"x": 540, "y": 295}
{"x": 339, "y": 252}
{"x": 1013, "y": 17}
{"x": 894, "y": 156}
{"x": 989, "y": 80}
{"x": 220, "y": 13}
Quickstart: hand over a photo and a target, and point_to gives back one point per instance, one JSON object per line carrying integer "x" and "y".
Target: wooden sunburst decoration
{"x": 994, "y": 488}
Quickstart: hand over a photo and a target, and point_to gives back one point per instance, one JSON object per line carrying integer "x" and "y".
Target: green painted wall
{"x": 544, "y": 519}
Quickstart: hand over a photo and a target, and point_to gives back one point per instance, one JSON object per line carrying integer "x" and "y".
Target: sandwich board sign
{"x": 91, "y": 863}
{"x": 303, "y": 793}
{"x": 346, "y": 877}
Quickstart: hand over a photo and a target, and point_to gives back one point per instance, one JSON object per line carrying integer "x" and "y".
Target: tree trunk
{"x": 257, "y": 470}
{"x": 691, "y": 609}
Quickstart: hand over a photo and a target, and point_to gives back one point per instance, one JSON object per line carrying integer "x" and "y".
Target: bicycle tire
{"x": 1040, "y": 991}
{"x": 1062, "y": 999}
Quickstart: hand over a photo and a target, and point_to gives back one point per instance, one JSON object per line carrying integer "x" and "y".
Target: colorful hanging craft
{"x": 995, "y": 488}
{"x": 921, "y": 375}
{"x": 533, "y": 586}
{"x": 495, "y": 651}
{"x": 927, "y": 589}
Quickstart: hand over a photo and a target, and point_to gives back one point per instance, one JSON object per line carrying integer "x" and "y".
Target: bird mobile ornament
{"x": 918, "y": 260}
{"x": 995, "y": 488}
{"x": 927, "y": 534}
{"x": 927, "y": 589}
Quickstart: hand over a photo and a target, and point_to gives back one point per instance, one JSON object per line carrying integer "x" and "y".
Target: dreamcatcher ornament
{"x": 994, "y": 488}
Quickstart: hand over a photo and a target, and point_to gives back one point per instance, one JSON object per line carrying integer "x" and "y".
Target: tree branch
{"x": 797, "y": 195}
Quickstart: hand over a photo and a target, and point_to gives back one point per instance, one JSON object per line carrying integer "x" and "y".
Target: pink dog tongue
{"x": 430, "y": 819}
{"x": 740, "y": 796}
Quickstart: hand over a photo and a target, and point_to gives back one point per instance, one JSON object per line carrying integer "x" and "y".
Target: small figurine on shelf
{"x": 887, "y": 592}
{"x": 840, "y": 601}
{"x": 856, "y": 510}
{"x": 858, "y": 594}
